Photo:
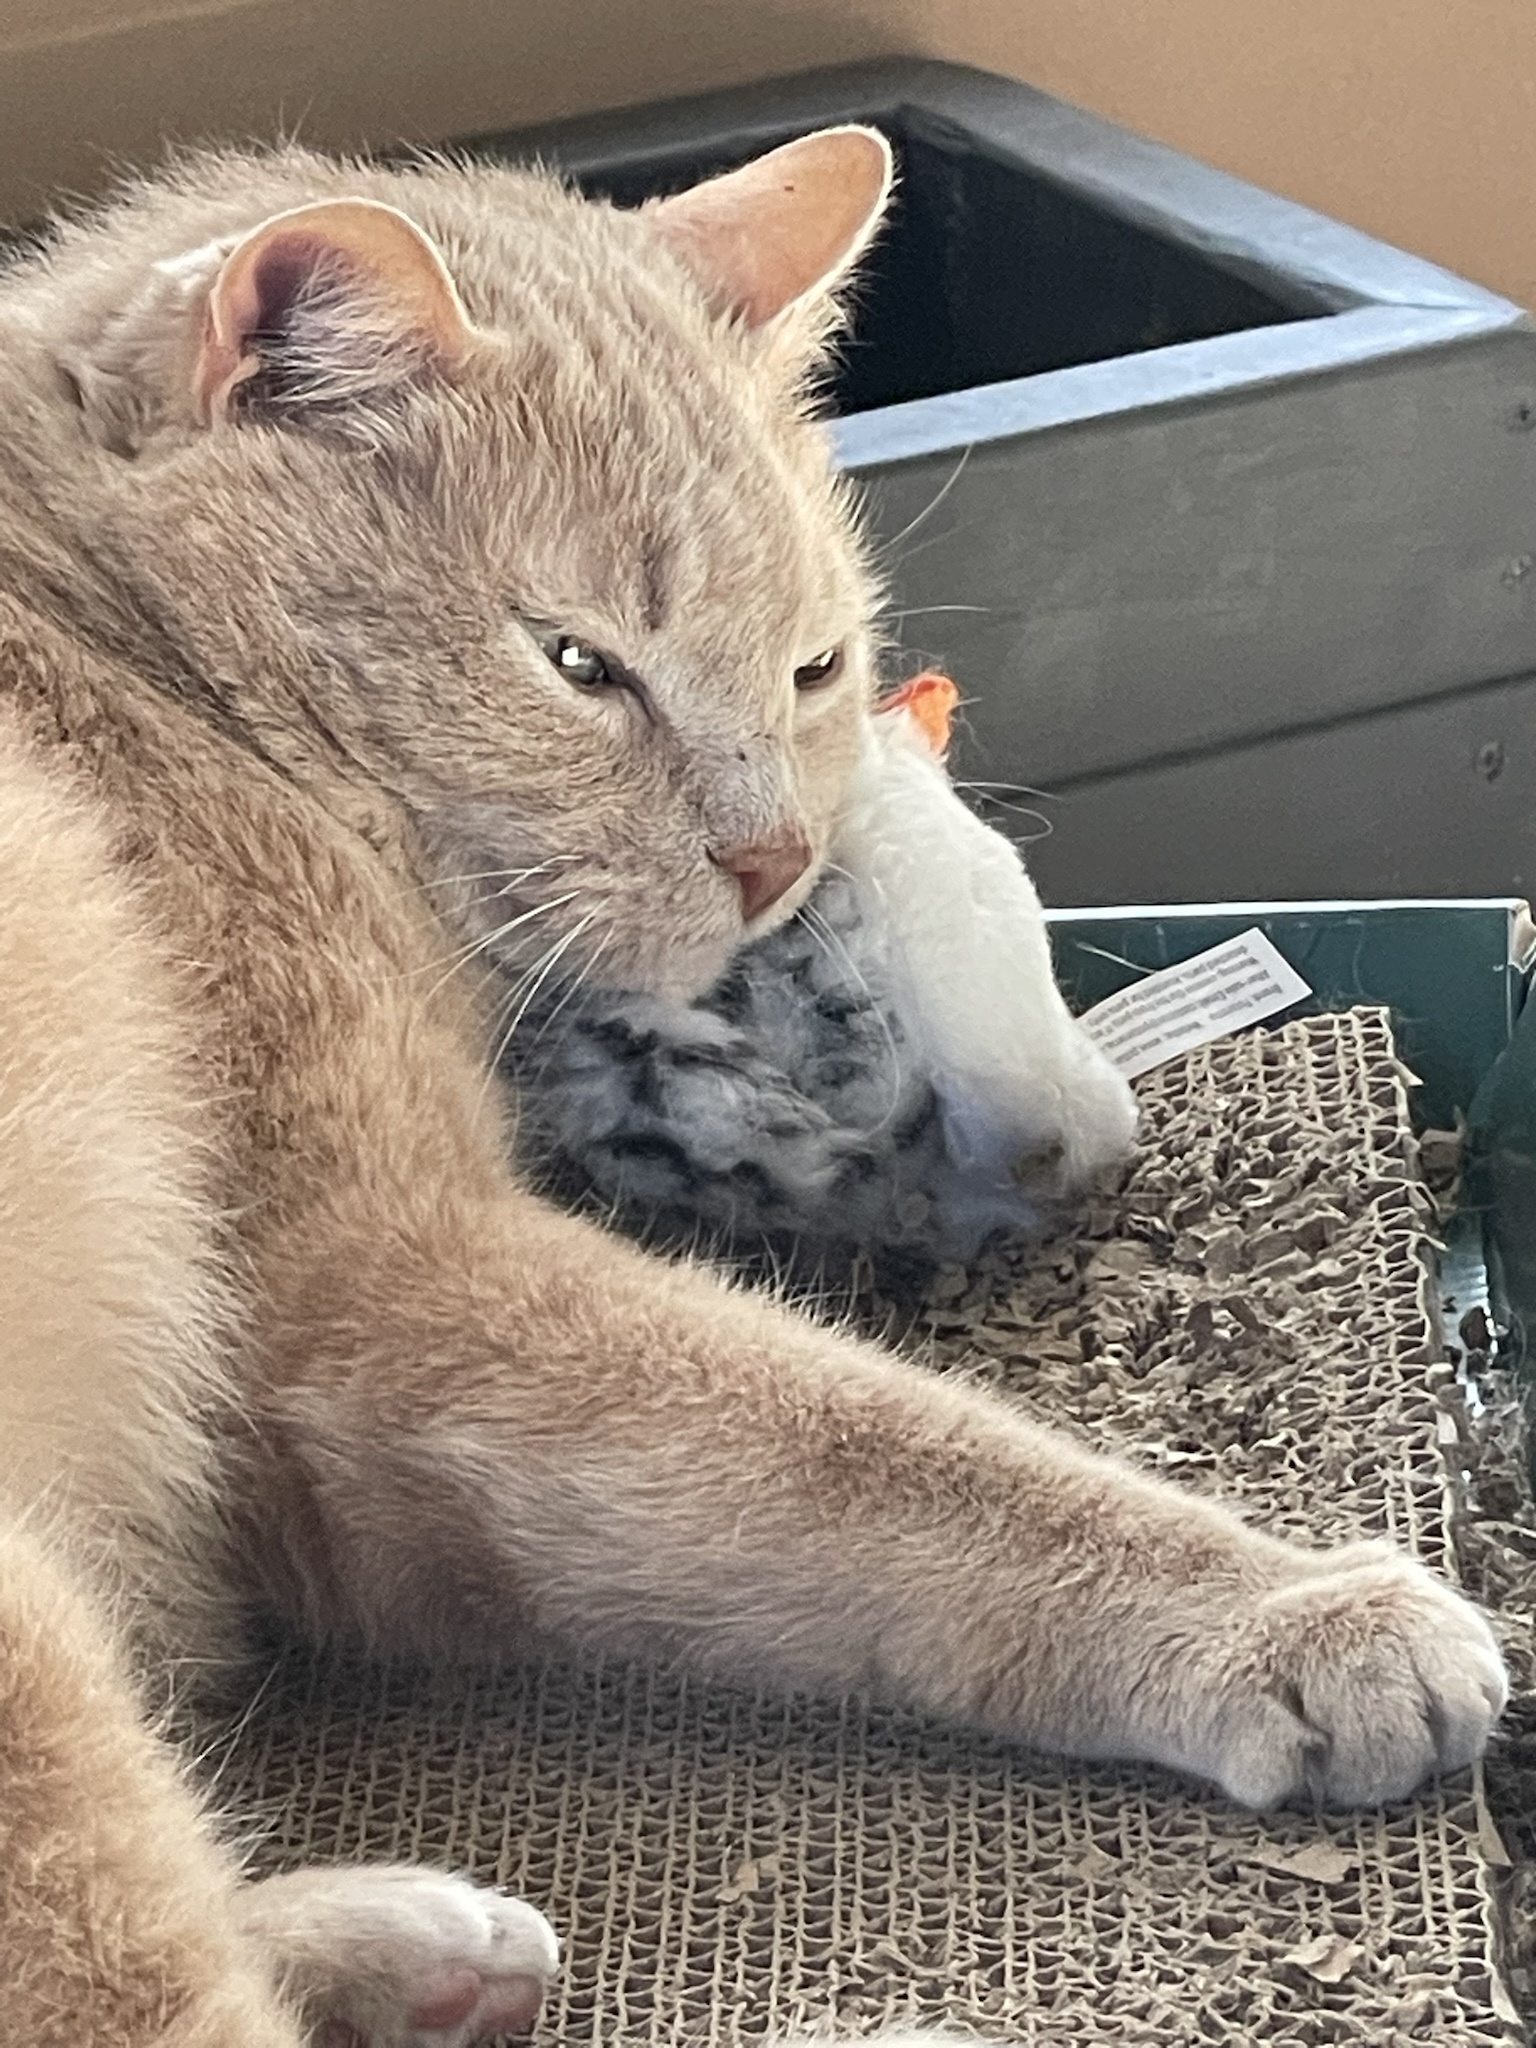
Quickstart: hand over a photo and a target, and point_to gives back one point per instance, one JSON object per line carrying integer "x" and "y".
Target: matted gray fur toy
{"x": 893, "y": 1070}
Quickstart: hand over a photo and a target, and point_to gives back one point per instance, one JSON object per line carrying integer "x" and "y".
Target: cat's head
{"x": 505, "y": 502}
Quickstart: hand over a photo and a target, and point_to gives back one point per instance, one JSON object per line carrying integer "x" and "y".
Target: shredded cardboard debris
{"x": 1496, "y": 1549}
{"x": 1251, "y": 1314}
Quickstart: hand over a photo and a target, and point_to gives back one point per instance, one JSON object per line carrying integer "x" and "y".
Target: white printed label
{"x": 1238, "y": 982}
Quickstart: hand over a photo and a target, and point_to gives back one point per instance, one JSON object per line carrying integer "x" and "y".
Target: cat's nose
{"x": 765, "y": 869}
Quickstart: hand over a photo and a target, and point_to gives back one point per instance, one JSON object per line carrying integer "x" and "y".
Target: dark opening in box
{"x": 988, "y": 272}
{"x": 1224, "y": 506}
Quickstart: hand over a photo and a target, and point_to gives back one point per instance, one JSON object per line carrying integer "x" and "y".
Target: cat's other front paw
{"x": 1353, "y": 1683}
{"x": 391, "y": 1956}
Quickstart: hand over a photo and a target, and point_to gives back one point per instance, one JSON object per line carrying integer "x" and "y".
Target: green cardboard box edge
{"x": 1454, "y": 974}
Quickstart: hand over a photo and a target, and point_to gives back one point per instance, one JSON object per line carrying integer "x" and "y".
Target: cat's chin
{"x": 680, "y": 975}
{"x": 690, "y": 968}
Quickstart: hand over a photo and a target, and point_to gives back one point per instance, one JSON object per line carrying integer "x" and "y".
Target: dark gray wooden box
{"x": 1224, "y": 515}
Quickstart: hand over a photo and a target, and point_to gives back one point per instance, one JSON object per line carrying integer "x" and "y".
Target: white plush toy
{"x": 894, "y": 1069}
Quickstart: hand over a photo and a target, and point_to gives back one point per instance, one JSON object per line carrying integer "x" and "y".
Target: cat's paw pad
{"x": 1355, "y": 1683}
{"x": 395, "y": 1957}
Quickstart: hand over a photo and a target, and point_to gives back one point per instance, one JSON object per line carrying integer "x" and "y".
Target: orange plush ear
{"x": 785, "y": 228}
{"x": 382, "y": 282}
{"x": 931, "y": 699}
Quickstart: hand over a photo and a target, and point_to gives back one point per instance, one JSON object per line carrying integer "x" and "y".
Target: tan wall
{"x": 81, "y": 80}
{"x": 1415, "y": 119}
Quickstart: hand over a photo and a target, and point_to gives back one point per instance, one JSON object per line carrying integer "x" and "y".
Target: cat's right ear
{"x": 323, "y": 304}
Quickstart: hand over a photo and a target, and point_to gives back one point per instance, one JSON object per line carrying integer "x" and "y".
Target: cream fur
{"x": 118, "y": 1917}
{"x": 109, "y": 1300}
{"x": 282, "y": 774}
{"x": 967, "y": 949}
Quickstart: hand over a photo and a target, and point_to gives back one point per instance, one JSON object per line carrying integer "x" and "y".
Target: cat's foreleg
{"x": 499, "y": 1415}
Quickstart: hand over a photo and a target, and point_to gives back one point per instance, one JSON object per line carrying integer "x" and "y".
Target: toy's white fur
{"x": 957, "y": 934}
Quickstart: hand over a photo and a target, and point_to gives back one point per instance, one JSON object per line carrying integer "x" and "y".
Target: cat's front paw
{"x": 1353, "y": 1683}
{"x": 396, "y": 1957}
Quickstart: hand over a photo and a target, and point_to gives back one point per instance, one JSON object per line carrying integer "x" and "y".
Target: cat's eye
{"x": 578, "y": 661}
{"x": 815, "y": 675}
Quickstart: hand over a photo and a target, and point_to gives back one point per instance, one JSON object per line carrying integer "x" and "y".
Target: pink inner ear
{"x": 386, "y": 254}
{"x": 785, "y": 227}
{"x": 279, "y": 275}
{"x": 256, "y": 300}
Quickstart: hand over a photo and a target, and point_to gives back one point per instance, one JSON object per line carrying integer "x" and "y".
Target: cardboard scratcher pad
{"x": 1248, "y": 1315}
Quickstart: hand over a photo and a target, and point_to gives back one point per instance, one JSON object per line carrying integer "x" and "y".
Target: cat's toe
{"x": 396, "y": 1957}
{"x": 1354, "y": 1683}
{"x": 485, "y": 1973}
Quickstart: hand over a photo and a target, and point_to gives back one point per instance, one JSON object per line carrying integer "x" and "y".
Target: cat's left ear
{"x": 347, "y": 293}
{"x": 782, "y": 231}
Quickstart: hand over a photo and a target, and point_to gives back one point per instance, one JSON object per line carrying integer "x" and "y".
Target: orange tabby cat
{"x": 412, "y": 583}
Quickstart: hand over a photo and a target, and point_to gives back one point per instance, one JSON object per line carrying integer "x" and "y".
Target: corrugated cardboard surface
{"x": 1250, "y": 1314}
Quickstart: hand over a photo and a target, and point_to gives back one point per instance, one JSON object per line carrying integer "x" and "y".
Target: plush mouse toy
{"x": 893, "y": 1069}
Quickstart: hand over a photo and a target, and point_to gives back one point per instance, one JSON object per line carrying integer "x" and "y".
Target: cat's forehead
{"x": 617, "y": 418}
{"x": 678, "y": 473}
{"x": 603, "y": 321}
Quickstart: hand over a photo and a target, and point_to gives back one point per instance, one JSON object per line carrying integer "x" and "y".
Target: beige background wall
{"x": 1415, "y": 119}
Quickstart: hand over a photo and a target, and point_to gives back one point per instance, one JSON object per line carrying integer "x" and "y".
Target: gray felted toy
{"x": 893, "y": 1070}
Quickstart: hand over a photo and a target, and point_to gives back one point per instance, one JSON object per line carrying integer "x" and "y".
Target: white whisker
{"x": 532, "y": 981}
{"x": 510, "y": 875}
{"x": 933, "y": 503}
{"x": 462, "y": 955}
{"x": 923, "y": 611}
{"x": 832, "y": 944}
{"x": 1047, "y": 825}
{"x": 571, "y": 988}
{"x": 1013, "y": 788}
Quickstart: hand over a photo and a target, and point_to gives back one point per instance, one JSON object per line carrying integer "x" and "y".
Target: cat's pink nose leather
{"x": 765, "y": 870}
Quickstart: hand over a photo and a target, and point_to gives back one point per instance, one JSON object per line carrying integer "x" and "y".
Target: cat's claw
{"x": 1353, "y": 1683}
{"x": 396, "y": 1957}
